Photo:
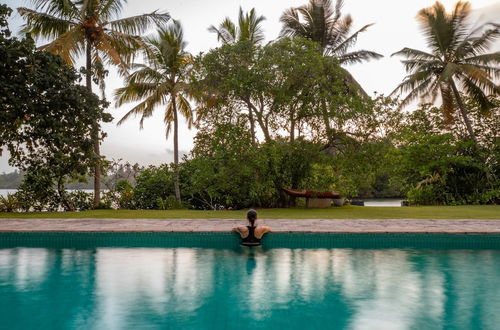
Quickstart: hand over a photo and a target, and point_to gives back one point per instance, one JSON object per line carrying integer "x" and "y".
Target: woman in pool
{"x": 251, "y": 235}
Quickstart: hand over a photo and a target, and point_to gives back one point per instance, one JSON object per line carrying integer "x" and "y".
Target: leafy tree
{"x": 280, "y": 93}
{"x": 222, "y": 170}
{"x": 47, "y": 118}
{"x": 320, "y": 22}
{"x": 247, "y": 29}
{"x": 92, "y": 29}
{"x": 161, "y": 82}
{"x": 457, "y": 58}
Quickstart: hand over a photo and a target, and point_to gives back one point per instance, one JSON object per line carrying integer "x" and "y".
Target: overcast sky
{"x": 395, "y": 27}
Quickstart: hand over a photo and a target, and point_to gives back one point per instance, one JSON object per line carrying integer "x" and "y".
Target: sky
{"x": 395, "y": 28}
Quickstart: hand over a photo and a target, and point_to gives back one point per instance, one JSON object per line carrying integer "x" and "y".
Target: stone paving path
{"x": 278, "y": 225}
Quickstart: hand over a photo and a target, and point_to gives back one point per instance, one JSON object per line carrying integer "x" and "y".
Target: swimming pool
{"x": 206, "y": 281}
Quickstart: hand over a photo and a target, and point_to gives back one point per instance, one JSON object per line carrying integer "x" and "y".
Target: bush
{"x": 440, "y": 167}
{"x": 152, "y": 183}
{"x": 80, "y": 200}
{"x": 125, "y": 192}
{"x": 169, "y": 203}
{"x": 9, "y": 203}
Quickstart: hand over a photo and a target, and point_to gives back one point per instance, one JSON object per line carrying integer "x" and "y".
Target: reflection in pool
{"x": 193, "y": 288}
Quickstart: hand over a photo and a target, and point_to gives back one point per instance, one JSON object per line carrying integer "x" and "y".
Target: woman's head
{"x": 252, "y": 216}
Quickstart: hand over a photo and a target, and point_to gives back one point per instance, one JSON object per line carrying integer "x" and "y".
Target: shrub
{"x": 152, "y": 183}
{"x": 9, "y": 203}
{"x": 80, "y": 200}
{"x": 169, "y": 203}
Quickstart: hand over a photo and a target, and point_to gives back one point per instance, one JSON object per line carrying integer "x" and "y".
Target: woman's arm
{"x": 243, "y": 231}
{"x": 260, "y": 231}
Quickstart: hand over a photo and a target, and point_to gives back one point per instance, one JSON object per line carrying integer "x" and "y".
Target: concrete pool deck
{"x": 277, "y": 225}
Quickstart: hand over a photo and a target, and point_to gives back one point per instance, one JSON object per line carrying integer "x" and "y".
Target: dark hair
{"x": 252, "y": 216}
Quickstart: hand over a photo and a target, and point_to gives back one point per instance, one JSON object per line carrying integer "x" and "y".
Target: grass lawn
{"x": 345, "y": 212}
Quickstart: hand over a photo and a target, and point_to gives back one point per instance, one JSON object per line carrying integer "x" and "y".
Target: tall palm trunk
{"x": 95, "y": 131}
{"x": 176, "y": 150}
{"x": 463, "y": 112}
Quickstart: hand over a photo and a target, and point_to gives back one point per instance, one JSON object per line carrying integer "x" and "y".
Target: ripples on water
{"x": 189, "y": 288}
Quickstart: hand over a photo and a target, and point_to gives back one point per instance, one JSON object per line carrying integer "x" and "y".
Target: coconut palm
{"x": 161, "y": 82}
{"x": 323, "y": 23}
{"x": 92, "y": 29}
{"x": 319, "y": 21}
{"x": 457, "y": 59}
{"x": 248, "y": 28}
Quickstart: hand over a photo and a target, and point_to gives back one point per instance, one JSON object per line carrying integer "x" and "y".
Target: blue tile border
{"x": 86, "y": 240}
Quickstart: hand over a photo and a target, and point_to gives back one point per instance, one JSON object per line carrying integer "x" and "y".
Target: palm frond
{"x": 416, "y": 54}
{"x": 40, "y": 24}
{"x": 145, "y": 109}
{"x": 478, "y": 95}
{"x": 337, "y": 36}
{"x": 59, "y": 8}
{"x": 112, "y": 55}
{"x": 110, "y": 9}
{"x": 134, "y": 92}
{"x": 168, "y": 118}
{"x": 253, "y": 24}
{"x": 472, "y": 46}
{"x": 184, "y": 108}
{"x": 139, "y": 24}
{"x": 226, "y": 33}
{"x": 358, "y": 57}
{"x": 485, "y": 59}
{"x": 69, "y": 45}
{"x": 480, "y": 78}
{"x": 292, "y": 27}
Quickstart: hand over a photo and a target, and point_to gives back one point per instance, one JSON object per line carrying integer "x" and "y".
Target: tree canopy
{"x": 47, "y": 116}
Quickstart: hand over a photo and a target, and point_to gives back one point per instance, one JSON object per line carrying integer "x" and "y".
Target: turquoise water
{"x": 107, "y": 281}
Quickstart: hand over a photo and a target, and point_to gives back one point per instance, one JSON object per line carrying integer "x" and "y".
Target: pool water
{"x": 93, "y": 286}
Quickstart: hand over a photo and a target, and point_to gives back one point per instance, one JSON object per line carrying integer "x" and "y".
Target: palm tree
{"x": 93, "y": 29}
{"x": 248, "y": 29}
{"x": 457, "y": 58}
{"x": 161, "y": 82}
{"x": 323, "y": 23}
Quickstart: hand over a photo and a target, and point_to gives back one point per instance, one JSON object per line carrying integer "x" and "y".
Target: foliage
{"x": 169, "y": 203}
{"x": 441, "y": 167}
{"x": 321, "y": 22}
{"x": 222, "y": 170}
{"x": 80, "y": 200}
{"x": 152, "y": 183}
{"x": 265, "y": 87}
{"x": 161, "y": 82}
{"x": 47, "y": 119}
{"x": 457, "y": 57}
{"x": 226, "y": 170}
{"x": 247, "y": 29}
{"x": 9, "y": 203}
{"x": 125, "y": 192}
{"x": 93, "y": 29}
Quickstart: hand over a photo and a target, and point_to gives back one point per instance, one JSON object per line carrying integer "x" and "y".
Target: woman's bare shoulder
{"x": 243, "y": 231}
{"x": 261, "y": 230}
